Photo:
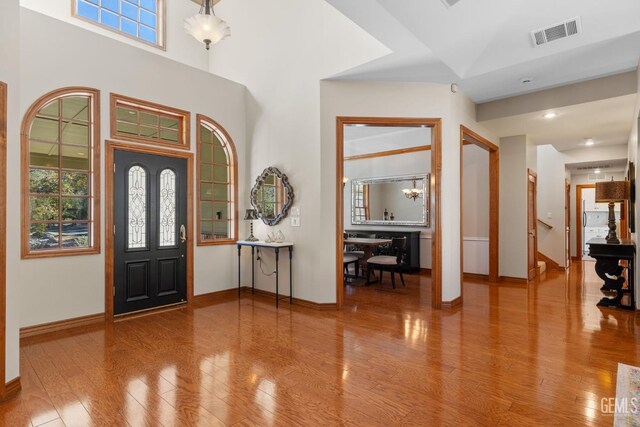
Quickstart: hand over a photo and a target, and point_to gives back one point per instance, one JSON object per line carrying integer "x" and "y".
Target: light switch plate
{"x": 295, "y": 211}
{"x": 295, "y": 221}
{"x": 549, "y": 215}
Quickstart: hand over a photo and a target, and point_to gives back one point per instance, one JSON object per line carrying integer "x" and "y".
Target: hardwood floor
{"x": 511, "y": 355}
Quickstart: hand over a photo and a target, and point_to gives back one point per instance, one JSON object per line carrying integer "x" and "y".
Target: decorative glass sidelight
{"x": 137, "y": 215}
{"x": 167, "y": 216}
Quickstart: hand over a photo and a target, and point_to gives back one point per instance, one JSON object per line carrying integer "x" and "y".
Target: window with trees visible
{"x": 139, "y": 19}
{"x": 360, "y": 202}
{"x": 217, "y": 177}
{"x": 142, "y": 121}
{"x": 61, "y": 176}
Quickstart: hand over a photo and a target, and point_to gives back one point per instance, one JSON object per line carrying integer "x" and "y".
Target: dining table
{"x": 367, "y": 246}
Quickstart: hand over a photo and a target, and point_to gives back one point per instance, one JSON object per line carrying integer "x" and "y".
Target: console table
{"x": 276, "y": 248}
{"x": 608, "y": 268}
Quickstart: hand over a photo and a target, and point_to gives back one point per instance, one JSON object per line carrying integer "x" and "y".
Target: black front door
{"x": 150, "y": 218}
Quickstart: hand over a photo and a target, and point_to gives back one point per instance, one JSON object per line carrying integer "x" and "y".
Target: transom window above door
{"x": 139, "y": 19}
{"x": 142, "y": 121}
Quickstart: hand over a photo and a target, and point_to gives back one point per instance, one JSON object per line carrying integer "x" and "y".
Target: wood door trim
{"x": 436, "y": 176}
{"x": 110, "y": 147}
{"x": 532, "y": 174}
{"x": 579, "y": 188}
{"x": 389, "y": 153}
{"x": 469, "y": 137}
{"x": 3, "y": 238}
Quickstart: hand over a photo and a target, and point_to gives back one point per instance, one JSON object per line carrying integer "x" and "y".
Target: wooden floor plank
{"x": 541, "y": 354}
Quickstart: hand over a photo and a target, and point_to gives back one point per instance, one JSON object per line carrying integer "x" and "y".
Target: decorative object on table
{"x": 279, "y": 237}
{"x": 369, "y": 192}
{"x": 631, "y": 177}
{"x": 392, "y": 217}
{"x": 612, "y": 192}
{"x": 385, "y": 215}
{"x": 251, "y": 215}
{"x": 205, "y": 26}
{"x": 272, "y": 196}
{"x": 414, "y": 192}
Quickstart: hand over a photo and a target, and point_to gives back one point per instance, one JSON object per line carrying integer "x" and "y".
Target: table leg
{"x": 253, "y": 274}
{"x": 277, "y": 258}
{"x": 239, "y": 253}
{"x": 290, "y": 276}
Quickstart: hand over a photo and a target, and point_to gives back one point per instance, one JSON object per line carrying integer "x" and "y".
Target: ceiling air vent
{"x": 592, "y": 177}
{"x": 556, "y": 32}
{"x": 449, "y": 3}
{"x": 594, "y": 166}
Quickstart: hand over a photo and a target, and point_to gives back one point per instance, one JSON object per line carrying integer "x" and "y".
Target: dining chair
{"x": 350, "y": 259}
{"x": 391, "y": 263}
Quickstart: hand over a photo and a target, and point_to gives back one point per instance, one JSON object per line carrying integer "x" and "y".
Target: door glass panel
{"x": 137, "y": 214}
{"x": 167, "y": 208}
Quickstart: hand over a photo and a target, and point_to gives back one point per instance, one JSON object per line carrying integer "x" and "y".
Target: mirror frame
{"x": 260, "y": 180}
{"x": 426, "y": 191}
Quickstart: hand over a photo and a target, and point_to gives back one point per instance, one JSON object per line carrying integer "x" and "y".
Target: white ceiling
{"x": 607, "y": 121}
{"x": 485, "y": 45}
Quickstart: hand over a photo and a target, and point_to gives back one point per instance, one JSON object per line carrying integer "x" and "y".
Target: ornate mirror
{"x": 272, "y": 196}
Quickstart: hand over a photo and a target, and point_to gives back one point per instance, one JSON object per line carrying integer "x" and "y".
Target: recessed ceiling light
{"x": 589, "y": 142}
{"x": 596, "y": 171}
{"x": 550, "y": 115}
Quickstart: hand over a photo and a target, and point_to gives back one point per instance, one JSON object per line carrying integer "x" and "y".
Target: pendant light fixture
{"x": 207, "y": 27}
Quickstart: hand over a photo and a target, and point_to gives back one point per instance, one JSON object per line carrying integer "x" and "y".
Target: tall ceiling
{"x": 485, "y": 46}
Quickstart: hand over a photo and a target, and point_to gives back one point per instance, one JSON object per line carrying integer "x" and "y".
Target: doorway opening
{"x": 589, "y": 219}
{"x": 532, "y": 224}
{"x": 377, "y": 153}
{"x": 149, "y": 255}
{"x": 487, "y": 203}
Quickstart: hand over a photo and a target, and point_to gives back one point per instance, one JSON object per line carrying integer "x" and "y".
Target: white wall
{"x": 475, "y": 209}
{"x": 580, "y": 179}
{"x": 403, "y": 100}
{"x": 551, "y": 203}
{"x": 180, "y": 46}
{"x": 9, "y": 73}
{"x": 280, "y": 50}
{"x": 48, "y": 292}
{"x": 513, "y": 206}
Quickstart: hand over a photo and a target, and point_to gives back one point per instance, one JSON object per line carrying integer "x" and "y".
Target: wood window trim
{"x": 161, "y": 32}
{"x": 29, "y": 116}
{"x": 110, "y": 147}
{"x": 163, "y": 110}
{"x": 435, "y": 124}
{"x": 200, "y": 118}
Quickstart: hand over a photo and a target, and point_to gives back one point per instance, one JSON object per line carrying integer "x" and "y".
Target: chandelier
{"x": 413, "y": 193}
{"x": 207, "y": 27}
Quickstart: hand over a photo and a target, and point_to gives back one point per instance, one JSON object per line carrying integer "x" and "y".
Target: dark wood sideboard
{"x": 609, "y": 269}
{"x": 411, "y": 262}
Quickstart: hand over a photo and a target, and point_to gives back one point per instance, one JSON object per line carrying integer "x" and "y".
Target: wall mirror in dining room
{"x": 272, "y": 196}
{"x": 396, "y": 200}
{"x": 388, "y": 199}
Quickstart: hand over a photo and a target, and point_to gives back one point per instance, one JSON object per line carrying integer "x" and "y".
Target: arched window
{"x": 61, "y": 174}
{"x": 217, "y": 178}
